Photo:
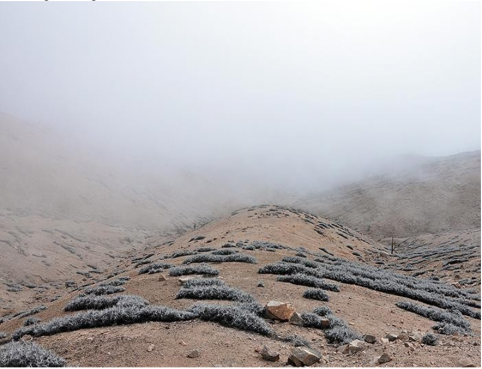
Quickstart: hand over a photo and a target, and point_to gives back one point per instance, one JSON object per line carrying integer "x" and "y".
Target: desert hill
{"x": 239, "y": 263}
{"x": 435, "y": 195}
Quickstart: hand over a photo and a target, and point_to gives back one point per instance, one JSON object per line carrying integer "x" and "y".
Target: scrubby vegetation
{"x": 210, "y": 258}
{"x": 337, "y": 330}
{"x": 309, "y": 281}
{"x": 28, "y": 354}
{"x": 198, "y": 282}
{"x": 155, "y": 268}
{"x": 214, "y": 292}
{"x": 24, "y": 314}
{"x": 231, "y": 316}
{"x": 429, "y": 339}
{"x": 102, "y": 290}
{"x": 102, "y": 302}
{"x": 447, "y": 318}
{"x": 205, "y": 249}
{"x": 424, "y": 290}
{"x": 225, "y": 252}
{"x": 316, "y": 294}
{"x": 116, "y": 282}
{"x": 195, "y": 269}
{"x": 31, "y": 321}
{"x": 116, "y": 315}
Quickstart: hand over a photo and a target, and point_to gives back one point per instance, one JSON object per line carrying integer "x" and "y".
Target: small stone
{"x": 279, "y": 310}
{"x": 296, "y": 319}
{"x": 354, "y": 346}
{"x": 466, "y": 363}
{"x": 403, "y": 337}
{"x": 385, "y": 358}
{"x": 391, "y": 337}
{"x": 268, "y": 354}
{"x": 150, "y": 348}
{"x": 301, "y": 356}
{"x": 194, "y": 354}
{"x": 415, "y": 337}
{"x": 182, "y": 343}
{"x": 183, "y": 280}
{"x": 325, "y": 323}
{"x": 260, "y": 284}
{"x": 370, "y": 338}
{"x": 162, "y": 278}
{"x": 384, "y": 340}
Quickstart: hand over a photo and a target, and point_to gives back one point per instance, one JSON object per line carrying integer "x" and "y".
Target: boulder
{"x": 268, "y": 354}
{"x": 354, "y": 346}
{"x": 279, "y": 310}
{"x": 304, "y": 356}
{"x": 385, "y": 358}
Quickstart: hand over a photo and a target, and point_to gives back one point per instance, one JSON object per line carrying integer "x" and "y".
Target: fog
{"x": 296, "y": 96}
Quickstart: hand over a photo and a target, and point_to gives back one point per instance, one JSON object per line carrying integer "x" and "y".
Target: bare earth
{"x": 167, "y": 344}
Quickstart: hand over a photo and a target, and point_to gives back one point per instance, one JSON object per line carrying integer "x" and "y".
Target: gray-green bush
{"x": 316, "y": 294}
{"x": 28, "y": 354}
{"x": 193, "y": 269}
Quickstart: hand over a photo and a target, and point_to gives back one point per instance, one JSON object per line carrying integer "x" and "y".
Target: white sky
{"x": 285, "y": 92}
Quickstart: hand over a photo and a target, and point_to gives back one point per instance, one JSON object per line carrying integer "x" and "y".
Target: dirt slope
{"x": 440, "y": 195}
{"x": 365, "y": 311}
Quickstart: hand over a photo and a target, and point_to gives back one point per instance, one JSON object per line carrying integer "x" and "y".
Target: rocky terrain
{"x": 264, "y": 286}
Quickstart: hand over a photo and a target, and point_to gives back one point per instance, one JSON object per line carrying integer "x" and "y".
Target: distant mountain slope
{"x": 64, "y": 206}
{"x": 441, "y": 194}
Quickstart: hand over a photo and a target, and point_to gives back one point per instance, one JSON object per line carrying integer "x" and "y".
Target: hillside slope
{"x": 442, "y": 194}
{"x": 232, "y": 329}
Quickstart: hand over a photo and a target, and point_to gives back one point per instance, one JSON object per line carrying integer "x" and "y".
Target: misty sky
{"x": 285, "y": 92}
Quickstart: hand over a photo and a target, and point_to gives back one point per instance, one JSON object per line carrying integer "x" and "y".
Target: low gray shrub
{"x": 337, "y": 332}
{"x": 213, "y": 293}
{"x": 437, "y": 315}
{"x": 448, "y": 329}
{"x": 198, "y": 282}
{"x": 210, "y": 258}
{"x": 205, "y": 249}
{"x": 316, "y": 294}
{"x": 194, "y": 269}
{"x": 233, "y": 317}
{"x": 155, "y": 268}
{"x": 102, "y": 302}
{"x": 28, "y": 354}
{"x": 309, "y": 281}
{"x": 116, "y": 282}
{"x": 31, "y": 321}
{"x": 225, "y": 252}
{"x": 102, "y": 290}
{"x": 24, "y": 314}
{"x": 429, "y": 339}
{"x": 323, "y": 311}
{"x": 116, "y": 315}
